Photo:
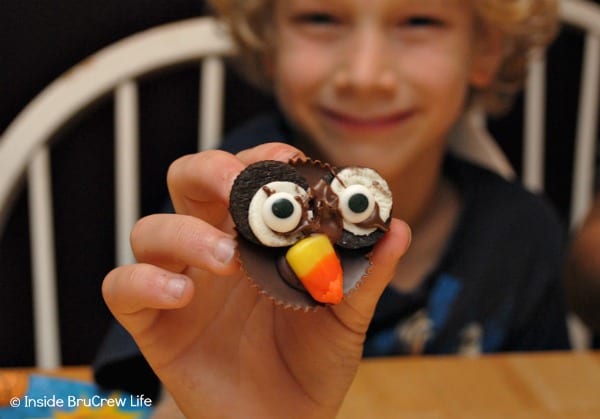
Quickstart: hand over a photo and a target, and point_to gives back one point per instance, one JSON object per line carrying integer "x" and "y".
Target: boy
{"x": 377, "y": 84}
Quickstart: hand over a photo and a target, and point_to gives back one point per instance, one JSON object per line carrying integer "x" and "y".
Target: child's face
{"x": 378, "y": 82}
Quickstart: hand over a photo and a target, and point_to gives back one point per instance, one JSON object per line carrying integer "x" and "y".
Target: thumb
{"x": 385, "y": 256}
{"x": 387, "y": 253}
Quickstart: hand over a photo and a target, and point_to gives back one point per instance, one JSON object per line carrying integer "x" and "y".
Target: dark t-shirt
{"x": 496, "y": 287}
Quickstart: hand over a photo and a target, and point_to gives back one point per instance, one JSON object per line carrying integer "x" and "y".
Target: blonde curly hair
{"x": 528, "y": 26}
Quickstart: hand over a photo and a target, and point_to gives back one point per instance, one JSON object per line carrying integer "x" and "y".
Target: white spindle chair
{"x": 24, "y": 148}
{"x": 586, "y": 16}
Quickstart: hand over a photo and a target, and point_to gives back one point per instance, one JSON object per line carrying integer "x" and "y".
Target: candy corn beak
{"x": 317, "y": 266}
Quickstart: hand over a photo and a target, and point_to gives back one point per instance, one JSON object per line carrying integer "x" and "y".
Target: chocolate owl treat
{"x": 306, "y": 229}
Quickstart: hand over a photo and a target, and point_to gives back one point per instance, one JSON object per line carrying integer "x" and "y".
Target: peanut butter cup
{"x": 306, "y": 229}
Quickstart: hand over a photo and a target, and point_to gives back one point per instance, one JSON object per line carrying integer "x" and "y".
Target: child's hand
{"x": 219, "y": 347}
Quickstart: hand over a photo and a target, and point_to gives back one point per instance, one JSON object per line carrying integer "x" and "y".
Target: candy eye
{"x": 356, "y": 204}
{"x": 275, "y": 212}
{"x": 362, "y": 192}
{"x": 281, "y": 212}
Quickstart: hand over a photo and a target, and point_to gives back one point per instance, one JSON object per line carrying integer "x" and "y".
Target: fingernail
{"x": 408, "y": 233}
{"x": 224, "y": 250}
{"x": 175, "y": 287}
{"x": 286, "y": 155}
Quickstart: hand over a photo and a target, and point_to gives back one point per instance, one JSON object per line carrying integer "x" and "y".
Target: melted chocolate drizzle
{"x": 374, "y": 220}
{"x": 324, "y": 216}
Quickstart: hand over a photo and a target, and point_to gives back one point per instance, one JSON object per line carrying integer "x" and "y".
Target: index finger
{"x": 199, "y": 184}
{"x": 269, "y": 151}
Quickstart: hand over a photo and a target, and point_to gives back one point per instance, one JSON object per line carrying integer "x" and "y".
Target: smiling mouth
{"x": 367, "y": 122}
